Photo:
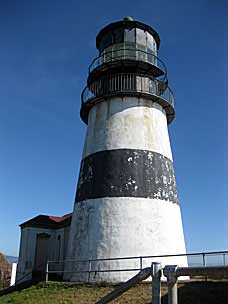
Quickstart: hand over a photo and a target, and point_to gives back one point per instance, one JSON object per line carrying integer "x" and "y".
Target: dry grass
{"x": 69, "y": 293}
{"x": 5, "y": 271}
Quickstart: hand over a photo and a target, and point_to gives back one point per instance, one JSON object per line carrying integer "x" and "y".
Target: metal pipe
{"x": 89, "y": 271}
{"x": 202, "y": 271}
{"x": 156, "y": 283}
{"x": 172, "y": 293}
{"x": 144, "y": 257}
{"x": 204, "y": 261}
{"x": 142, "y": 275}
{"x": 46, "y": 277}
{"x": 141, "y": 262}
{"x": 170, "y": 273}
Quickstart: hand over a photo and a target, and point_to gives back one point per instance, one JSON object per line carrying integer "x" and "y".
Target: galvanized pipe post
{"x": 156, "y": 283}
{"x": 170, "y": 273}
{"x": 46, "y": 277}
{"x": 204, "y": 261}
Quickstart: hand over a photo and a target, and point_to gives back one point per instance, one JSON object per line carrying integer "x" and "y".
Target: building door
{"x": 42, "y": 251}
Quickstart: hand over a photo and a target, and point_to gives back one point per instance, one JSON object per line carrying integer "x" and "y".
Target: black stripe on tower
{"x": 127, "y": 173}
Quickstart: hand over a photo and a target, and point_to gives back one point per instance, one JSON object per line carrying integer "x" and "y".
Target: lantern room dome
{"x": 128, "y": 18}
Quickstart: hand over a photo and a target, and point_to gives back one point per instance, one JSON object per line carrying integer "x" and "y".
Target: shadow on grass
{"x": 201, "y": 293}
{"x": 19, "y": 287}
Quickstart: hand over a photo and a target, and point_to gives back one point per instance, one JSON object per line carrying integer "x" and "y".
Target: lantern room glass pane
{"x": 130, "y": 35}
{"x": 108, "y": 54}
{"x": 106, "y": 41}
{"x": 141, "y": 53}
{"x": 140, "y": 37}
{"x": 151, "y": 44}
{"x": 118, "y": 51}
{"x": 130, "y": 50}
{"x": 118, "y": 35}
{"x": 151, "y": 58}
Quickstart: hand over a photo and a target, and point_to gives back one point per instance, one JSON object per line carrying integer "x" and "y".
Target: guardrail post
{"x": 141, "y": 264}
{"x": 156, "y": 283}
{"x": 204, "y": 264}
{"x": 170, "y": 273}
{"x": 204, "y": 261}
{"x": 46, "y": 277}
{"x": 89, "y": 270}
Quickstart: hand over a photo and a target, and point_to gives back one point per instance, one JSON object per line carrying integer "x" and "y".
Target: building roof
{"x": 48, "y": 221}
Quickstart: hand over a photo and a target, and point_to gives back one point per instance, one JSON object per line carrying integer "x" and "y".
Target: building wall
{"x": 134, "y": 123}
{"x": 28, "y": 248}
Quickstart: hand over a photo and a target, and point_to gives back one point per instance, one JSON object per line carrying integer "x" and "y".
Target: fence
{"x": 131, "y": 264}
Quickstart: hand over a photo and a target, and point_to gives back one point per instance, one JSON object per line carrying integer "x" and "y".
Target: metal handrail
{"x": 131, "y": 54}
{"x": 127, "y": 83}
{"x": 172, "y": 272}
{"x": 147, "y": 256}
{"x": 140, "y": 259}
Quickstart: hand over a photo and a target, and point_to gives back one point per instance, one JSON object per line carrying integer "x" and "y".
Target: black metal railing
{"x": 129, "y": 54}
{"x": 125, "y": 83}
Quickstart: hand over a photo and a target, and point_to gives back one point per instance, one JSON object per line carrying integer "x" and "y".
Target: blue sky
{"x": 45, "y": 50}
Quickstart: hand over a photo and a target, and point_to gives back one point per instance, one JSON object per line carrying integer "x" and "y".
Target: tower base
{"x": 122, "y": 227}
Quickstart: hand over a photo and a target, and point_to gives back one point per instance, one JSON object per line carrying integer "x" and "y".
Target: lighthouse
{"x": 126, "y": 201}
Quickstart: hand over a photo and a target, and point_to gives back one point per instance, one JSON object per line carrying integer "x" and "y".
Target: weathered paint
{"x": 127, "y": 173}
{"x": 120, "y": 227}
{"x": 127, "y": 123}
{"x": 26, "y": 261}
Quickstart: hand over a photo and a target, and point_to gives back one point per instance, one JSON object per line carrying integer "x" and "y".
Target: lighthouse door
{"x": 41, "y": 254}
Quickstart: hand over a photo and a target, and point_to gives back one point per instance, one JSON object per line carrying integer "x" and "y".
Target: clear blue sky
{"x": 45, "y": 49}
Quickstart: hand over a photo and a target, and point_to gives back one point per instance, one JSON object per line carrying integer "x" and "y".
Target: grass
{"x": 78, "y": 293}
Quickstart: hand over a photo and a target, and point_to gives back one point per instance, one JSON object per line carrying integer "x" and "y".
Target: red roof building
{"x": 43, "y": 238}
{"x": 48, "y": 221}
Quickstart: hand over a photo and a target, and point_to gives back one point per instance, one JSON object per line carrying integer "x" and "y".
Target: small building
{"x": 43, "y": 238}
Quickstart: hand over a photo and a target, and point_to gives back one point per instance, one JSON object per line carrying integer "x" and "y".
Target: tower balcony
{"x": 127, "y": 84}
{"x": 120, "y": 59}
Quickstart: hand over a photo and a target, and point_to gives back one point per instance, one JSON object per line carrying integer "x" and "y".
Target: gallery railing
{"x": 129, "y": 54}
{"x": 126, "y": 83}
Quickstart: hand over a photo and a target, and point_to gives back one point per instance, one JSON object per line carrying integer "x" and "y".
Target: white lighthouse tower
{"x": 126, "y": 202}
